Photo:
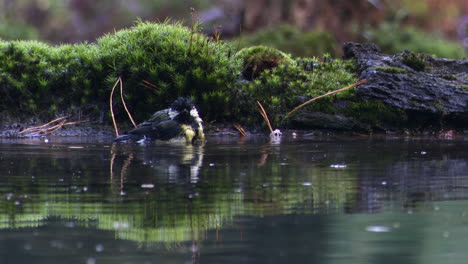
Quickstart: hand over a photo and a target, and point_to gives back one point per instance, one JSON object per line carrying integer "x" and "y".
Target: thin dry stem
{"x": 150, "y": 85}
{"x": 264, "y": 115}
{"x": 323, "y": 95}
{"x": 124, "y": 104}
{"x": 112, "y": 110}
{"x": 240, "y": 129}
{"x": 192, "y": 28}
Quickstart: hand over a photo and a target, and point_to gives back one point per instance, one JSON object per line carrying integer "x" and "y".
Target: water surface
{"x": 234, "y": 200}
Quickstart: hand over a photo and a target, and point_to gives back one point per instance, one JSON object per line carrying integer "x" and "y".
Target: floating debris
{"x": 338, "y": 166}
{"x": 75, "y": 147}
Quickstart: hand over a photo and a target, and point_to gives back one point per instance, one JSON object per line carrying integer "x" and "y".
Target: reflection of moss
{"x": 166, "y": 215}
{"x": 391, "y": 69}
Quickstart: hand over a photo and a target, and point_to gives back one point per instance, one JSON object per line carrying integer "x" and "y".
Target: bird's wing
{"x": 167, "y": 129}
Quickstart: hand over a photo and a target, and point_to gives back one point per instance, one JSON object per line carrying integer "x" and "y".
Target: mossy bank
{"x": 42, "y": 80}
{"x": 160, "y": 62}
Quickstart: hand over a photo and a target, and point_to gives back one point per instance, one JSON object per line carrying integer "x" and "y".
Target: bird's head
{"x": 186, "y": 111}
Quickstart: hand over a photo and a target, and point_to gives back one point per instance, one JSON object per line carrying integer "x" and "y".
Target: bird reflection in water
{"x": 171, "y": 163}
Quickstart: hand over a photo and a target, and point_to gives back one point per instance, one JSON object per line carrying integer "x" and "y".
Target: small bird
{"x": 178, "y": 123}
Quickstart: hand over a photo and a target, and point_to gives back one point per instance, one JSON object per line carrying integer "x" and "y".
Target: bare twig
{"x": 112, "y": 110}
{"x": 42, "y": 126}
{"x": 323, "y": 95}
{"x": 124, "y": 104}
{"x": 49, "y": 128}
{"x": 264, "y": 115}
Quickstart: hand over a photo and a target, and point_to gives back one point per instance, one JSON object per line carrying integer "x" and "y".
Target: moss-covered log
{"x": 160, "y": 62}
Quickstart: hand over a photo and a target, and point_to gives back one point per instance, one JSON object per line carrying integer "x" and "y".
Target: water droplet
{"x": 307, "y": 183}
{"x": 446, "y": 234}
{"x": 75, "y": 147}
{"x": 384, "y": 183}
{"x": 118, "y": 225}
{"x": 265, "y": 185}
{"x": 194, "y": 248}
{"x": 338, "y": 166}
{"x": 423, "y": 152}
{"x": 122, "y": 193}
{"x": 212, "y": 164}
{"x": 85, "y": 189}
{"x": 378, "y": 229}
{"x": 147, "y": 185}
{"x": 17, "y": 202}
{"x": 27, "y": 246}
{"x": 46, "y": 140}
{"x": 99, "y": 248}
{"x": 436, "y": 208}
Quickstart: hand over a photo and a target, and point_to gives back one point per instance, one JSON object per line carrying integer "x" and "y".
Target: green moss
{"x": 375, "y": 114}
{"x": 391, "y": 69}
{"x": 448, "y": 77}
{"x": 178, "y": 61}
{"x": 414, "y": 60}
{"x": 281, "y": 88}
{"x": 260, "y": 58}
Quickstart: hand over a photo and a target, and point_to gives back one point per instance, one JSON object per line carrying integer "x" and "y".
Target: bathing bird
{"x": 180, "y": 122}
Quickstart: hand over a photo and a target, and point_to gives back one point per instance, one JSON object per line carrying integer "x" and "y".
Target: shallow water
{"x": 231, "y": 200}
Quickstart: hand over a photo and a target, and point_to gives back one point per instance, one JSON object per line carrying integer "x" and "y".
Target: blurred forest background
{"x": 299, "y": 27}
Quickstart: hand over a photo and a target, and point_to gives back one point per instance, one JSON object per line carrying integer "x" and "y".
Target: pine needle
{"x": 112, "y": 110}
{"x": 327, "y": 94}
{"x": 124, "y": 104}
{"x": 240, "y": 129}
{"x": 264, "y": 115}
